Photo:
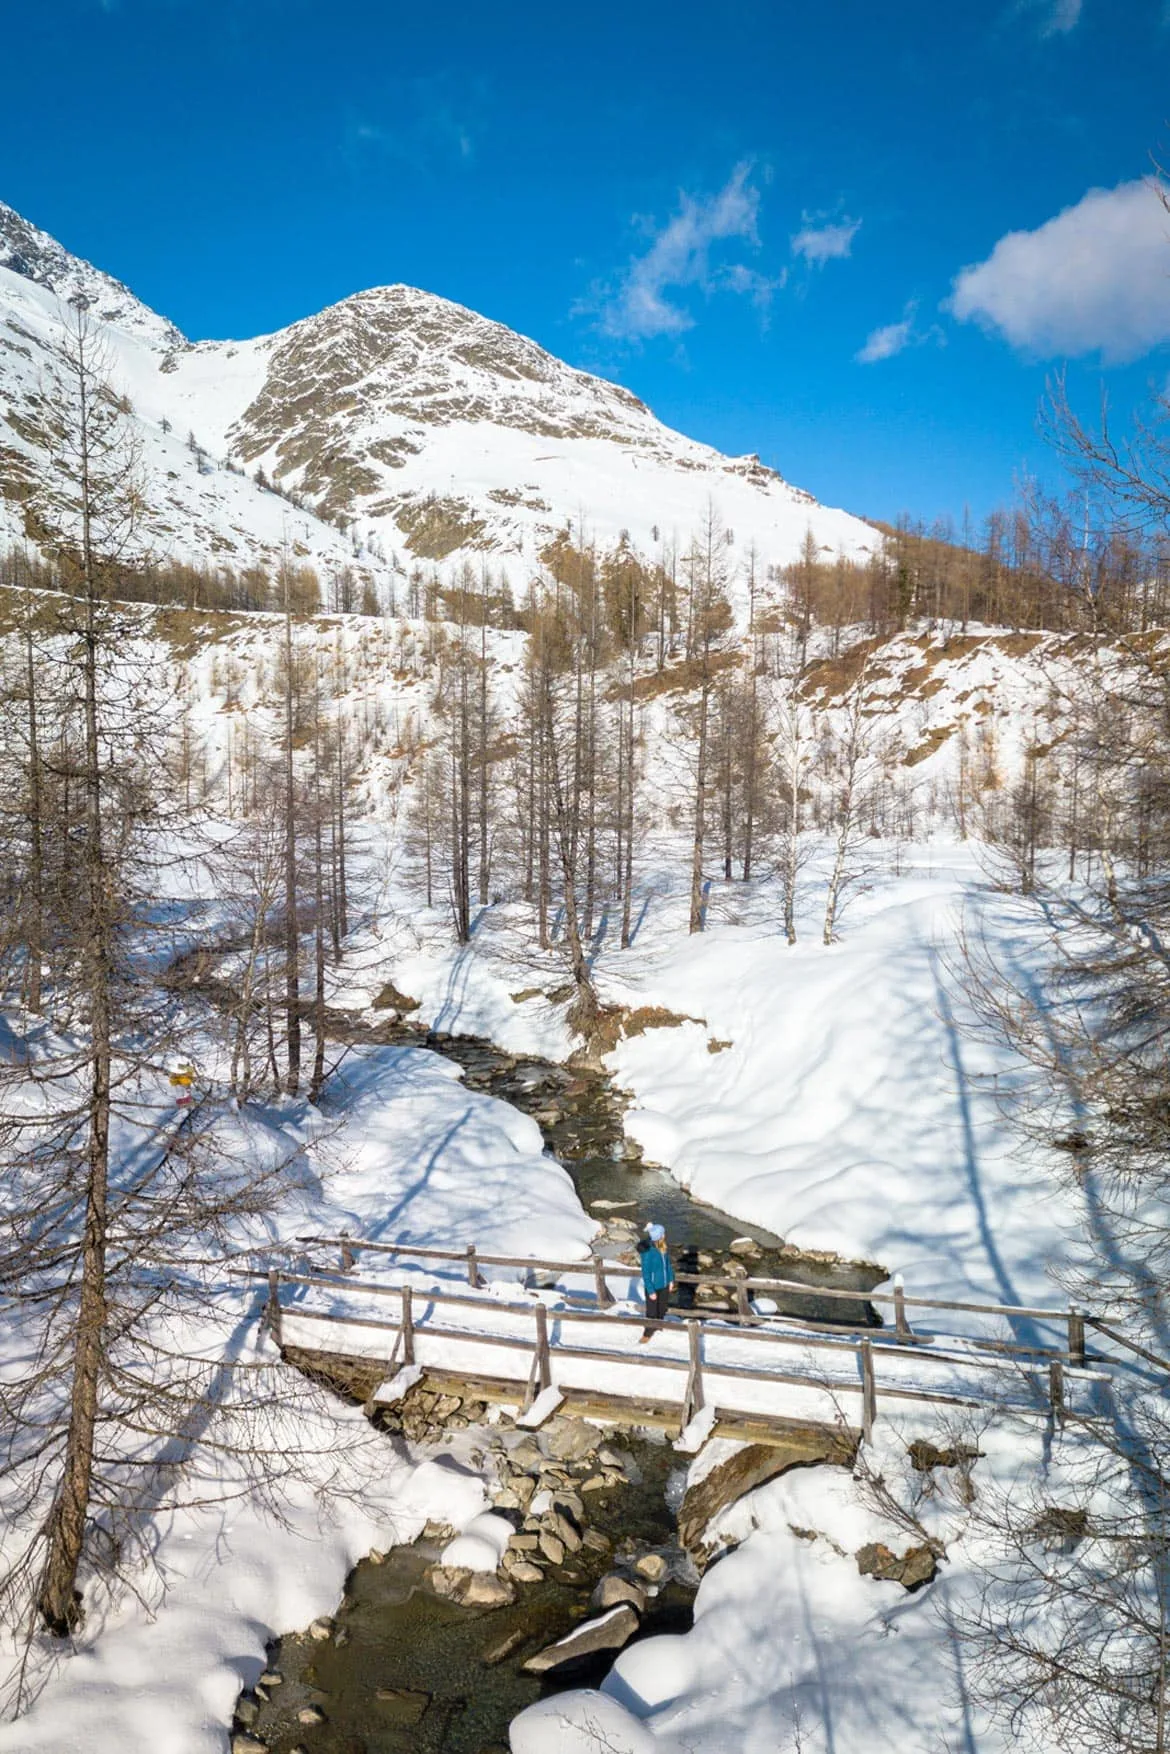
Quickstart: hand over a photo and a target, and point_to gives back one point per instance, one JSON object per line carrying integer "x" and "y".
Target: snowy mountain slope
{"x": 410, "y": 423}
{"x": 195, "y": 509}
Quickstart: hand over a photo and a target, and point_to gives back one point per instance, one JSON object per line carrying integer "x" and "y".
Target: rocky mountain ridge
{"x": 404, "y": 429}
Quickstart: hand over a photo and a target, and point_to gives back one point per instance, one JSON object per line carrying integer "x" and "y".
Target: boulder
{"x": 913, "y": 1568}
{"x": 607, "y": 1633}
{"x": 746, "y": 1247}
{"x": 523, "y": 1571}
{"x": 572, "y": 1439}
{"x": 321, "y": 1629}
{"x": 750, "y": 1466}
{"x": 651, "y": 1566}
{"x": 471, "y": 1589}
{"x": 248, "y": 1744}
{"x": 596, "y": 1541}
{"x": 484, "y": 1589}
{"x": 310, "y": 1714}
{"x": 614, "y": 1589}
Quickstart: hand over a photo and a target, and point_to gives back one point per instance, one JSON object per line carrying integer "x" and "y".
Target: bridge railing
{"x": 1070, "y": 1321}
{"x": 1045, "y": 1380}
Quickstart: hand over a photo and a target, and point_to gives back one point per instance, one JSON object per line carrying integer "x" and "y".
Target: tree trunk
{"x": 696, "y": 918}
{"x": 58, "y": 1599}
{"x": 292, "y": 984}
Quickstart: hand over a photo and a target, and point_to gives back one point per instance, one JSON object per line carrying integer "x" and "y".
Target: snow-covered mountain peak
{"x": 34, "y": 255}
{"x": 399, "y": 423}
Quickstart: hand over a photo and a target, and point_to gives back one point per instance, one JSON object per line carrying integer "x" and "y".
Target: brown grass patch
{"x": 934, "y": 740}
{"x": 390, "y": 999}
{"x": 688, "y": 675}
{"x": 654, "y": 1017}
{"x": 836, "y": 676}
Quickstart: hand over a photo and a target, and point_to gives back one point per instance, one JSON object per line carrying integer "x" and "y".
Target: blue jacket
{"x": 657, "y": 1272}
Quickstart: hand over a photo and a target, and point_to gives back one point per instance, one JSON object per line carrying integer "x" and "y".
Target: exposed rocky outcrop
{"x": 750, "y": 1466}
{"x": 913, "y": 1568}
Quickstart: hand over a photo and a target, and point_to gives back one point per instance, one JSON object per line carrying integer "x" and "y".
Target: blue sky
{"x": 788, "y": 228}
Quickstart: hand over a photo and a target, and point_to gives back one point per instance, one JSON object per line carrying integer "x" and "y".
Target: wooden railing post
{"x": 604, "y": 1294}
{"x": 473, "y": 1278}
{"x": 543, "y": 1362}
{"x": 901, "y": 1326}
{"x": 693, "y": 1403}
{"x": 406, "y": 1331}
{"x": 743, "y": 1307}
{"x": 347, "y": 1255}
{"x": 1076, "y": 1336}
{"x": 868, "y": 1392}
{"x": 272, "y": 1309}
{"x": 1056, "y": 1389}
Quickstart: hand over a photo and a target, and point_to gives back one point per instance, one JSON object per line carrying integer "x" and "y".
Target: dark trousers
{"x": 657, "y": 1304}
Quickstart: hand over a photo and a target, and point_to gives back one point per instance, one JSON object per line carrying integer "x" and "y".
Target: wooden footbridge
{"x": 538, "y": 1333}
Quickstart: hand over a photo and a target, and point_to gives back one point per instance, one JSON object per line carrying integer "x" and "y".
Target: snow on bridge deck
{"x": 747, "y": 1366}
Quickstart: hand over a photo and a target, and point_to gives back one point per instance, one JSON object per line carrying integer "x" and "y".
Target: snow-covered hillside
{"x": 416, "y": 427}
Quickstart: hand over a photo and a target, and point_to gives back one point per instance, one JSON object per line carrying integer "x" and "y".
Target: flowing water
{"x": 404, "y": 1671}
{"x": 580, "y": 1115}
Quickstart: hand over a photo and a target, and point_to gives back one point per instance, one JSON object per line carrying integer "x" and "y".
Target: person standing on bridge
{"x": 657, "y": 1276}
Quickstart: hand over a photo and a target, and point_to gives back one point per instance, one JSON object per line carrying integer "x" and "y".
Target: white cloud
{"x": 1096, "y": 278}
{"x": 679, "y": 256}
{"x": 825, "y": 243}
{"x": 1057, "y": 17}
{"x": 1062, "y": 16}
{"x": 885, "y": 342}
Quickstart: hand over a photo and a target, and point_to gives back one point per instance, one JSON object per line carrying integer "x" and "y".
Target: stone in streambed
{"x": 498, "y": 1652}
{"x": 310, "y": 1714}
{"x": 404, "y": 1705}
{"x": 551, "y": 1547}
{"x": 248, "y": 1745}
{"x": 523, "y": 1571}
{"x": 563, "y": 1529}
{"x": 471, "y": 1589}
{"x": 607, "y": 1633}
{"x": 614, "y": 1589}
{"x": 651, "y": 1566}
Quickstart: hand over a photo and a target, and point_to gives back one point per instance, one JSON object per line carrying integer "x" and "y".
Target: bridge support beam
{"x": 693, "y": 1401}
{"x": 868, "y": 1392}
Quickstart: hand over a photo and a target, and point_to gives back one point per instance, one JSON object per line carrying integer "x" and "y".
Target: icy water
{"x": 405, "y": 1672}
{"x": 579, "y": 1113}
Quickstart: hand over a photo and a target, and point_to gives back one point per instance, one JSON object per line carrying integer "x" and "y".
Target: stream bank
{"x": 431, "y": 1659}
{"x": 580, "y": 1113}
{"x": 427, "y": 1657}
